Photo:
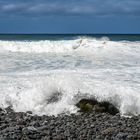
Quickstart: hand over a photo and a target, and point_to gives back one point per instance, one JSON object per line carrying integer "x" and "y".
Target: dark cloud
{"x": 33, "y": 8}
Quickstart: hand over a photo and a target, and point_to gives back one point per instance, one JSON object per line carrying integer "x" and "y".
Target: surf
{"x": 79, "y": 45}
{"x": 49, "y": 77}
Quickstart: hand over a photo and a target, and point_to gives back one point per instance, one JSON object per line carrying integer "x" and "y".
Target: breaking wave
{"x": 58, "y": 93}
{"x": 80, "y": 45}
{"x": 39, "y": 76}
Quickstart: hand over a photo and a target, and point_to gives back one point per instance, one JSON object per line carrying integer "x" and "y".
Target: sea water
{"x": 49, "y": 74}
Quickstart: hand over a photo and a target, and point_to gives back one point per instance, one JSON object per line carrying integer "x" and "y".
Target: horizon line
{"x": 69, "y": 33}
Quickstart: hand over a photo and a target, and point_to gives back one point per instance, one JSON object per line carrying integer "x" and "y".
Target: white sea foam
{"x": 32, "y": 93}
{"x": 32, "y": 73}
{"x": 81, "y": 45}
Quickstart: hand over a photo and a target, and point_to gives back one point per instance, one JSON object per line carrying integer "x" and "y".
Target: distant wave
{"x": 79, "y": 45}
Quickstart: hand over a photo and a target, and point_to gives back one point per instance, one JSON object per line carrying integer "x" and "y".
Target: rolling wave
{"x": 80, "y": 45}
{"x": 39, "y": 76}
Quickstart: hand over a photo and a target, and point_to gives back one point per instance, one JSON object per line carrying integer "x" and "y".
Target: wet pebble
{"x": 88, "y": 126}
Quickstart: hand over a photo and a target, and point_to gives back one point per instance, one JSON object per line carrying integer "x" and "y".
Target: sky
{"x": 70, "y": 16}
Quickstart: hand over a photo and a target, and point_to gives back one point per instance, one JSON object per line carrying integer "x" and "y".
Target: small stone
{"x": 121, "y": 135}
{"x": 45, "y": 127}
{"x": 108, "y": 131}
{"x": 31, "y": 128}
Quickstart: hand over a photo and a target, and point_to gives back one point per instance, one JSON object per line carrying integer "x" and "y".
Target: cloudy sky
{"x": 69, "y": 16}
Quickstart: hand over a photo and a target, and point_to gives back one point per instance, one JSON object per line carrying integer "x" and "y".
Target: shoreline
{"x": 83, "y": 126}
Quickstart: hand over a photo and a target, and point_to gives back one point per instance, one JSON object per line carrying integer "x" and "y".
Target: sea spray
{"x": 51, "y": 76}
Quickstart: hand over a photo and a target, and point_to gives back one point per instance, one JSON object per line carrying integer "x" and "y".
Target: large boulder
{"x": 88, "y": 105}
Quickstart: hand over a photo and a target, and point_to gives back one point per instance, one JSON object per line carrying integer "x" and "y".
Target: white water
{"x": 31, "y": 72}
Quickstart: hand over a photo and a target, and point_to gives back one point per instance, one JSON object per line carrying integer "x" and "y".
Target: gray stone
{"x": 121, "y": 135}
{"x": 45, "y": 127}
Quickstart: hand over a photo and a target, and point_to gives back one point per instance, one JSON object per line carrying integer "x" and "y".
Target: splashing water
{"x": 50, "y": 77}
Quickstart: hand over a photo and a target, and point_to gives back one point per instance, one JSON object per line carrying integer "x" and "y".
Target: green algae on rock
{"x": 88, "y": 105}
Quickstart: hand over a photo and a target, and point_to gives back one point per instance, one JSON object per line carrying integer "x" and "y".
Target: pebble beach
{"x": 81, "y": 126}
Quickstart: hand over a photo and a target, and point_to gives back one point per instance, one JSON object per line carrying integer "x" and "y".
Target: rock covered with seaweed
{"x": 88, "y": 105}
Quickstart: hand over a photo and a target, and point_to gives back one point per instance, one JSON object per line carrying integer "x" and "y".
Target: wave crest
{"x": 83, "y": 44}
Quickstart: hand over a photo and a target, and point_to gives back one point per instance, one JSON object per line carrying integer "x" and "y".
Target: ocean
{"x": 49, "y": 74}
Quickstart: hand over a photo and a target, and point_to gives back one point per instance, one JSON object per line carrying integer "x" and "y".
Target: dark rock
{"x": 88, "y": 105}
{"x": 85, "y": 101}
{"x": 98, "y": 108}
{"x": 54, "y": 97}
{"x": 110, "y": 108}
{"x": 121, "y": 135}
{"x": 29, "y": 112}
